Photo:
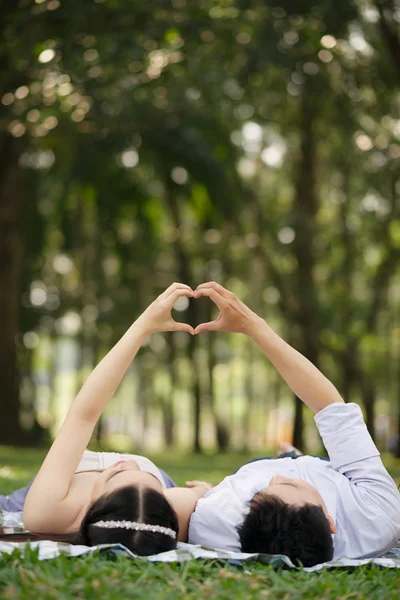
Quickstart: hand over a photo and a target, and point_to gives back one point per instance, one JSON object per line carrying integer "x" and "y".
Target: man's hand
{"x": 234, "y": 315}
{"x": 200, "y": 488}
{"x": 196, "y": 483}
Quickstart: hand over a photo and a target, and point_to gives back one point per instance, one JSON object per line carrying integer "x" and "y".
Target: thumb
{"x": 184, "y": 327}
{"x": 210, "y": 326}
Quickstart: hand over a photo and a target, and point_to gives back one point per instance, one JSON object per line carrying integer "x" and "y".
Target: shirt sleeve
{"x": 353, "y": 453}
{"x": 345, "y": 434}
{"x": 217, "y": 516}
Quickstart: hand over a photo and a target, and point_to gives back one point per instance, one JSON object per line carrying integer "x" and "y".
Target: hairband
{"x": 136, "y": 527}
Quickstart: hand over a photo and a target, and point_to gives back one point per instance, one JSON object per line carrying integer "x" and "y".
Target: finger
{"x": 174, "y": 287}
{"x": 210, "y": 326}
{"x": 193, "y": 483}
{"x": 183, "y": 327}
{"x": 176, "y": 294}
{"x": 215, "y": 296}
{"x": 217, "y": 287}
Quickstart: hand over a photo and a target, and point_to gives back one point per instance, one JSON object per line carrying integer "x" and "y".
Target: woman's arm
{"x": 53, "y": 480}
{"x": 184, "y": 502}
{"x": 306, "y": 381}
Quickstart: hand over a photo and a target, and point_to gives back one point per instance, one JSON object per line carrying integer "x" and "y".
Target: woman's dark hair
{"x": 126, "y": 504}
{"x": 300, "y": 532}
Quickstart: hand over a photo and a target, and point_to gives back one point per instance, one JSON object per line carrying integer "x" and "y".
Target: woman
{"x": 103, "y": 498}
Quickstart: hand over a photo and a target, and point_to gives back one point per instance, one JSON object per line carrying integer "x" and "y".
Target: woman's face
{"x": 122, "y": 474}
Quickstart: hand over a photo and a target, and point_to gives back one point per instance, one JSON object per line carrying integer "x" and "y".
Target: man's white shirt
{"x": 360, "y": 495}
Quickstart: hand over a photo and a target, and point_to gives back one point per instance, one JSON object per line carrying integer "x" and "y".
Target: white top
{"x": 360, "y": 495}
{"x": 100, "y": 461}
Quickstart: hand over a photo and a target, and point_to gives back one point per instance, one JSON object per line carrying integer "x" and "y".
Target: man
{"x": 308, "y": 509}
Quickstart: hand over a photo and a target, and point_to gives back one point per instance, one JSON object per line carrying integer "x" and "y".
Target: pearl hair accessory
{"x": 136, "y": 527}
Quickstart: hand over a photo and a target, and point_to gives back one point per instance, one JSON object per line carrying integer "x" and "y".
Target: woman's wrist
{"x": 141, "y": 329}
{"x": 255, "y": 326}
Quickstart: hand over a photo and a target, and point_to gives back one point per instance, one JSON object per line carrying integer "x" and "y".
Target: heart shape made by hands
{"x": 199, "y": 310}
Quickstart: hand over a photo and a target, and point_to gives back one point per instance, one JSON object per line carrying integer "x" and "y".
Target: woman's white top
{"x": 100, "y": 461}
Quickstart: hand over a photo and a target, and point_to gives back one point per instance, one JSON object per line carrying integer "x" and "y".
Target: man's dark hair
{"x": 300, "y": 532}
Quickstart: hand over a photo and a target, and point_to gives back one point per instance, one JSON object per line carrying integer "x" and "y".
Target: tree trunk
{"x": 298, "y": 426}
{"x": 144, "y": 396}
{"x": 347, "y": 383}
{"x": 370, "y": 416}
{"x": 167, "y": 401}
{"x": 184, "y": 271}
{"x": 97, "y": 354}
{"x": 192, "y": 312}
{"x": 362, "y": 379}
{"x": 305, "y": 210}
{"x": 221, "y": 429}
{"x": 28, "y": 393}
{"x": 250, "y": 393}
{"x": 11, "y": 259}
{"x": 389, "y": 28}
{"x": 369, "y": 400}
{"x": 168, "y": 421}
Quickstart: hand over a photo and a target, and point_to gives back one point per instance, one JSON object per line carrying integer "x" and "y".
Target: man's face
{"x": 296, "y": 492}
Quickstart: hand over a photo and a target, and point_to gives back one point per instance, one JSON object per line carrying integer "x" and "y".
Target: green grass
{"x": 108, "y": 577}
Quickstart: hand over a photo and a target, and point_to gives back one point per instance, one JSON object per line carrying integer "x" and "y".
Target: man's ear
{"x": 332, "y": 525}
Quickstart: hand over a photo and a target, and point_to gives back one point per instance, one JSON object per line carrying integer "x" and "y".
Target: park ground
{"x": 103, "y": 577}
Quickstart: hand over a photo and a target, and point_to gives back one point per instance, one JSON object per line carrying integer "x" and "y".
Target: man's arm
{"x": 306, "y": 381}
{"x": 375, "y": 523}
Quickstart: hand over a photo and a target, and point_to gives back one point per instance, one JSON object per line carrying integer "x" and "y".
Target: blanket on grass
{"x": 13, "y": 523}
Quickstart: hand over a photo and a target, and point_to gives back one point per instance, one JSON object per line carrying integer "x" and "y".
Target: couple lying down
{"x": 308, "y": 509}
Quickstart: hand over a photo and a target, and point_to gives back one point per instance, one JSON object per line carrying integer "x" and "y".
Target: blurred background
{"x": 256, "y": 143}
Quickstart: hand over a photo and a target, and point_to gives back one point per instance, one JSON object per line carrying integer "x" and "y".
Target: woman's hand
{"x": 157, "y": 317}
{"x": 234, "y": 315}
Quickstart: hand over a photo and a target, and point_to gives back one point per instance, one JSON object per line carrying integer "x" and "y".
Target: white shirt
{"x": 100, "y": 461}
{"x": 360, "y": 495}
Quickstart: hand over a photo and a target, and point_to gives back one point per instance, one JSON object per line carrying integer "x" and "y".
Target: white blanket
{"x": 184, "y": 552}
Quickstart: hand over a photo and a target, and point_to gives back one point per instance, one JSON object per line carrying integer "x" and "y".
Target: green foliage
{"x": 160, "y": 141}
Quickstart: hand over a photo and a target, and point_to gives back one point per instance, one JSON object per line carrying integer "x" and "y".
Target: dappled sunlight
{"x": 256, "y": 146}
{"x": 7, "y": 473}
